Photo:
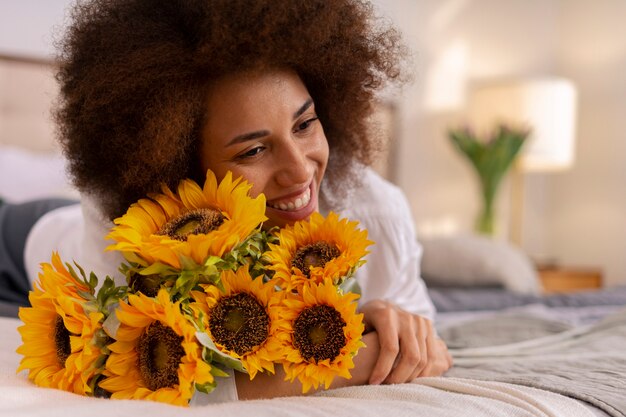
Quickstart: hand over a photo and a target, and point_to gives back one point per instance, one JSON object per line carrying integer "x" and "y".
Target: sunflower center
{"x": 193, "y": 222}
{"x": 62, "y": 341}
{"x": 159, "y": 353}
{"x": 315, "y": 254}
{"x": 318, "y": 333}
{"x": 147, "y": 284}
{"x": 239, "y": 323}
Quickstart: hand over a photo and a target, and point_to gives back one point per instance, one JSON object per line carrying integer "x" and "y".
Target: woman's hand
{"x": 408, "y": 345}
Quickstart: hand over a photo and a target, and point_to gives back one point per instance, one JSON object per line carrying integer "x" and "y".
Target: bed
{"x": 518, "y": 361}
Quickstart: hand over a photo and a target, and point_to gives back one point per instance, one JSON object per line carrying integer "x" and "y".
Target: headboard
{"x": 27, "y": 92}
{"x": 31, "y": 165}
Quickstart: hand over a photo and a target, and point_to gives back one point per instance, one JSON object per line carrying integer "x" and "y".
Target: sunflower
{"x": 317, "y": 249}
{"x": 62, "y": 339}
{"x": 242, "y": 319}
{"x": 56, "y": 280}
{"x": 195, "y": 223}
{"x": 321, "y": 333}
{"x": 156, "y": 355}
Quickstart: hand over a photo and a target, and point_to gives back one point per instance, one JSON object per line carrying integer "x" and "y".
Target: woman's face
{"x": 263, "y": 126}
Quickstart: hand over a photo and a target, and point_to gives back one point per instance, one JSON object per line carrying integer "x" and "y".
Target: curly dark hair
{"x": 134, "y": 76}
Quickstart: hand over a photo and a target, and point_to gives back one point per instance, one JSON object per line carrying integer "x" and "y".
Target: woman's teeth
{"x": 295, "y": 204}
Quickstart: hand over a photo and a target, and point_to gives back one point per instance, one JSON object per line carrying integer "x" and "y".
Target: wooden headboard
{"x": 27, "y": 93}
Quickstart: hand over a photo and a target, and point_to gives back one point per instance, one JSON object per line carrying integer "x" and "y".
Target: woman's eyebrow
{"x": 260, "y": 133}
{"x": 303, "y": 108}
{"x": 248, "y": 136}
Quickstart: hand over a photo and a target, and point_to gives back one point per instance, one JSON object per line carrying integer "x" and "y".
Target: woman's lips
{"x": 297, "y": 207}
{"x": 294, "y": 203}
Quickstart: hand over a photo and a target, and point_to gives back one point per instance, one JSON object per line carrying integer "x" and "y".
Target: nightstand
{"x": 569, "y": 279}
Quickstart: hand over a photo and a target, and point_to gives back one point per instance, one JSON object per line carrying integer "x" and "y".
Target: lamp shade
{"x": 547, "y": 106}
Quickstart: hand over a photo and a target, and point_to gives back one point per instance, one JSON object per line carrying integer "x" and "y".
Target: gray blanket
{"x": 587, "y": 363}
{"x": 472, "y": 299}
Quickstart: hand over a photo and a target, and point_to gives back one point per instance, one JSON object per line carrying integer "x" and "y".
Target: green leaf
{"x": 350, "y": 285}
{"x": 187, "y": 263}
{"x": 111, "y": 324}
{"x": 212, "y": 260}
{"x": 216, "y": 355}
{"x": 156, "y": 268}
{"x": 207, "y": 387}
{"x": 216, "y": 370}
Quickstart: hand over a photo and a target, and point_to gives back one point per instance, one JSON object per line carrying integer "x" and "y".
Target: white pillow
{"x": 477, "y": 261}
{"x": 26, "y": 175}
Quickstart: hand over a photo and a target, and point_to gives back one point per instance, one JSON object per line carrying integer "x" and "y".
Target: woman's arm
{"x": 402, "y": 347}
{"x": 269, "y": 386}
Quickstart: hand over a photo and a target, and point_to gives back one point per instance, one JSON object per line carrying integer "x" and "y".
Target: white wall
{"x": 28, "y": 27}
{"x": 587, "y": 216}
{"x": 577, "y": 217}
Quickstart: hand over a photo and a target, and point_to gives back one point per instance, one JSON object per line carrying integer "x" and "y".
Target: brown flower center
{"x": 193, "y": 222}
{"x": 62, "y": 341}
{"x": 318, "y": 333}
{"x": 149, "y": 285}
{"x": 159, "y": 354}
{"x": 239, "y": 323}
{"x": 315, "y": 254}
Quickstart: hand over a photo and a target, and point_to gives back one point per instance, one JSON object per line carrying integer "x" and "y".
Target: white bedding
{"x": 429, "y": 397}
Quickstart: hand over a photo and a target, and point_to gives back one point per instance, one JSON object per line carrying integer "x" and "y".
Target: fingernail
{"x": 375, "y": 382}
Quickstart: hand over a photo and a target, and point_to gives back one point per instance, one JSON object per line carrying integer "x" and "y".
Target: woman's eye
{"x": 252, "y": 152}
{"x": 306, "y": 124}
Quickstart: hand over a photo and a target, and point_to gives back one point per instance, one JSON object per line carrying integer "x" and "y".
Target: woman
{"x": 275, "y": 91}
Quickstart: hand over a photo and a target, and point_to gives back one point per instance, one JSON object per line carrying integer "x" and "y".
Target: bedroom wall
{"x": 587, "y": 216}
{"x": 577, "y": 217}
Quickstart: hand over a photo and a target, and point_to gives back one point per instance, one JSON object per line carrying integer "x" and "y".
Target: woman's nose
{"x": 292, "y": 166}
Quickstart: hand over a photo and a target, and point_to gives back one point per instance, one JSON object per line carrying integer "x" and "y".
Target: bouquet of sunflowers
{"x": 207, "y": 290}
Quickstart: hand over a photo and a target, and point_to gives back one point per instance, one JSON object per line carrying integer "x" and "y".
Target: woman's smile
{"x": 294, "y": 202}
{"x": 297, "y": 206}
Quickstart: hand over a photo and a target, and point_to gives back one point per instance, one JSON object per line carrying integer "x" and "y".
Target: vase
{"x": 485, "y": 220}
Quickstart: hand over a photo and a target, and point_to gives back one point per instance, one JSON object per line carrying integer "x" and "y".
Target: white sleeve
{"x": 392, "y": 271}
{"x": 77, "y": 233}
{"x": 59, "y": 230}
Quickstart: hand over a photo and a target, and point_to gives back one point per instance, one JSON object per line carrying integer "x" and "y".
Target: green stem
{"x": 485, "y": 221}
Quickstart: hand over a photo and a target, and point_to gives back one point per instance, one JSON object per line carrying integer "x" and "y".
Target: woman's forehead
{"x": 256, "y": 95}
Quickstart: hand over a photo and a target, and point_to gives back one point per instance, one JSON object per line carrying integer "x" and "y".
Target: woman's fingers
{"x": 412, "y": 356}
{"x": 385, "y": 324}
{"x": 441, "y": 360}
{"x": 409, "y": 347}
{"x": 424, "y": 336}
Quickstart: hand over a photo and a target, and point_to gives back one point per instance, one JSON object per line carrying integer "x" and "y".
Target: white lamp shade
{"x": 546, "y": 106}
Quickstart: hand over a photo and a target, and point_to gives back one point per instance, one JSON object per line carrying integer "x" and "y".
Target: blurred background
{"x": 471, "y": 60}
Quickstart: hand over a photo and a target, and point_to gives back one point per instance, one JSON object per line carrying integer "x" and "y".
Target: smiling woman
{"x": 278, "y": 92}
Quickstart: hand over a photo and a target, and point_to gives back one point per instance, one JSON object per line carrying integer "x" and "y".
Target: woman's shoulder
{"x": 77, "y": 233}
{"x": 59, "y": 230}
{"x": 375, "y": 197}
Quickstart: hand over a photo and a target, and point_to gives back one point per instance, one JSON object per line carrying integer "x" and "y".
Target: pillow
{"x": 26, "y": 175}
{"x": 477, "y": 261}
